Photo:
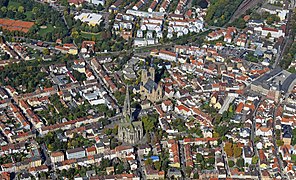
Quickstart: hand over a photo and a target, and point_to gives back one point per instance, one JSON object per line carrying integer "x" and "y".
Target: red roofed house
{"x": 275, "y": 33}
{"x": 167, "y": 55}
{"x": 88, "y": 46}
{"x": 181, "y": 109}
{"x": 57, "y": 156}
{"x": 90, "y": 151}
{"x": 167, "y": 105}
{"x": 76, "y": 3}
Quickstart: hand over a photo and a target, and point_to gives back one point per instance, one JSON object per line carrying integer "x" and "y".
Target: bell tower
{"x": 152, "y": 73}
{"x": 144, "y": 77}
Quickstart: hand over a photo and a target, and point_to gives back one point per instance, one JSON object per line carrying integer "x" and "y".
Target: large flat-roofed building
{"x": 75, "y": 153}
{"x": 91, "y": 18}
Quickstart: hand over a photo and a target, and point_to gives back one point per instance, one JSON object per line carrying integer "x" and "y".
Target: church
{"x": 129, "y": 131}
{"x": 149, "y": 89}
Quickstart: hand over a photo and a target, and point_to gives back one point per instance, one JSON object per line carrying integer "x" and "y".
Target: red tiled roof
{"x": 239, "y": 107}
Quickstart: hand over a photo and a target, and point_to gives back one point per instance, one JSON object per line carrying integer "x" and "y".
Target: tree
{"x": 228, "y": 149}
{"x": 279, "y": 142}
{"x": 230, "y": 163}
{"x": 293, "y": 137}
{"x": 255, "y": 159}
{"x": 50, "y": 148}
{"x": 237, "y": 151}
{"x": 4, "y": 9}
{"x": 157, "y": 165}
{"x": 199, "y": 157}
{"x": 120, "y": 168}
{"x": 75, "y": 34}
{"x": 148, "y": 161}
{"x": 35, "y": 10}
{"x": 6, "y": 56}
{"x": 79, "y": 76}
{"x": 45, "y": 51}
{"x": 188, "y": 171}
{"x": 196, "y": 176}
{"x": 148, "y": 123}
{"x": 240, "y": 162}
{"x": 21, "y": 9}
{"x": 148, "y": 137}
{"x": 268, "y": 35}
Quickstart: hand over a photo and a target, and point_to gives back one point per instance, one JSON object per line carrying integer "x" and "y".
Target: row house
{"x": 68, "y": 125}
{"x": 153, "y": 5}
{"x": 14, "y": 148}
{"x": 23, "y": 165}
{"x": 75, "y": 153}
{"x": 180, "y": 6}
{"x": 230, "y": 31}
{"x": 241, "y": 40}
{"x": 164, "y": 5}
{"x": 174, "y": 156}
{"x": 57, "y": 157}
{"x": 167, "y": 55}
{"x": 139, "y": 4}
{"x": 188, "y": 155}
{"x": 200, "y": 141}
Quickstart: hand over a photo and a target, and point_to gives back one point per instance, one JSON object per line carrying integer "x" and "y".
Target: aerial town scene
{"x": 147, "y": 89}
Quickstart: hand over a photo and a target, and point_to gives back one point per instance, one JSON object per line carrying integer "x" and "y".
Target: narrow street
{"x": 277, "y": 153}
{"x": 141, "y": 167}
{"x": 48, "y": 161}
{"x": 182, "y": 159}
{"x": 225, "y": 159}
{"x": 253, "y": 130}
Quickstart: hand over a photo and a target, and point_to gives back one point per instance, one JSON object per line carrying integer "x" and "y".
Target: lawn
{"x": 88, "y": 35}
{"x": 49, "y": 28}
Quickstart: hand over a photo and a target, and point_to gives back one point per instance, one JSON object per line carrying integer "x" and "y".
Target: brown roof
{"x": 56, "y": 154}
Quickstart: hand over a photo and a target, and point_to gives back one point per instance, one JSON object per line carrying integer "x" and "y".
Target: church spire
{"x": 127, "y": 107}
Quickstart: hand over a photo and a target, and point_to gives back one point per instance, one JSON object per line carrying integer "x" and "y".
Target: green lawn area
{"x": 88, "y": 35}
{"x": 49, "y": 28}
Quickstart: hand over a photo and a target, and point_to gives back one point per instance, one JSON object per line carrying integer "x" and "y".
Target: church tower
{"x": 152, "y": 73}
{"x": 129, "y": 131}
{"x": 144, "y": 76}
{"x": 126, "y": 112}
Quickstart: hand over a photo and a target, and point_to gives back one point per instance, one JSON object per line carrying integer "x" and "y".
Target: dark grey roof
{"x": 99, "y": 144}
{"x": 247, "y": 151}
{"x": 256, "y": 21}
{"x": 150, "y": 85}
{"x": 75, "y": 150}
{"x": 287, "y": 135}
